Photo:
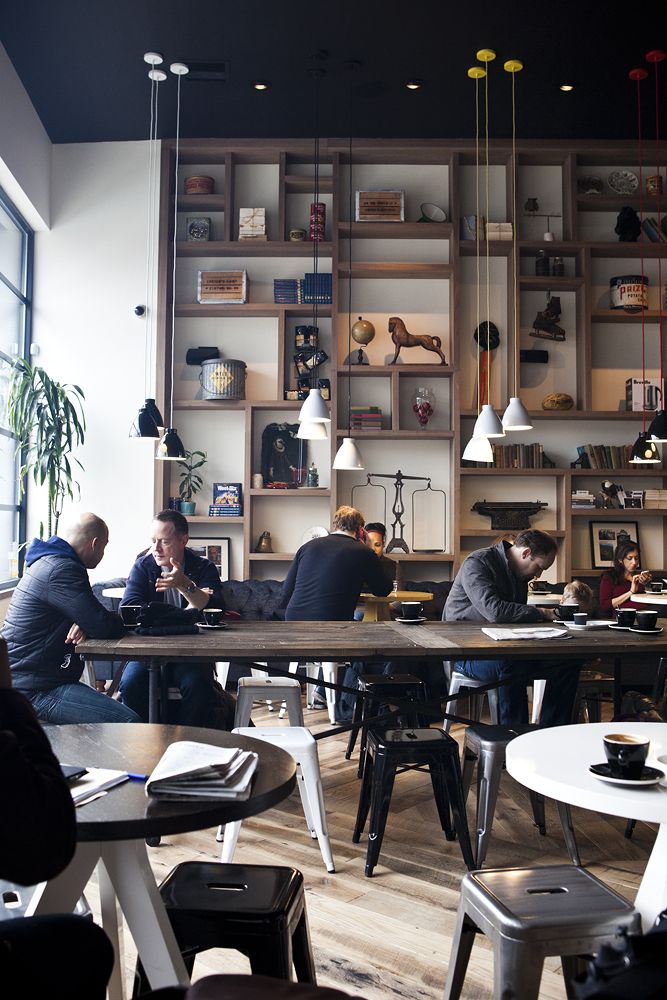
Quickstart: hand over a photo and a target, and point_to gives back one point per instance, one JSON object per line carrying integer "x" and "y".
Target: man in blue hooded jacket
{"x": 52, "y": 609}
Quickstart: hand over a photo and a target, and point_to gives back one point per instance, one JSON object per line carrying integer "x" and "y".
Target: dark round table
{"x": 112, "y": 829}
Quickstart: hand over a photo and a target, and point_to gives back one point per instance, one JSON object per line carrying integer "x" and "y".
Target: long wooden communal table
{"x": 377, "y": 641}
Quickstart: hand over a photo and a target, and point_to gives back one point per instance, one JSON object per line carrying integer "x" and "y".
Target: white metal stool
{"x": 457, "y": 681}
{"x": 252, "y": 689}
{"x": 299, "y": 743}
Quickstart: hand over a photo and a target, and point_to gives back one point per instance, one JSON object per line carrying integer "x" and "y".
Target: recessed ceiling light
{"x": 414, "y": 84}
{"x": 261, "y": 84}
{"x": 567, "y": 87}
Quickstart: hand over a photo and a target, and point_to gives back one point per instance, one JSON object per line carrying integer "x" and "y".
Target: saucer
{"x": 213, "y": 628}
{"x": 620, "y": 628}
{"x": 410, "y": 621}
{"x": 592, "y": 624}
{"x": 650, "y": 775}
{"x": 646, "y": 631}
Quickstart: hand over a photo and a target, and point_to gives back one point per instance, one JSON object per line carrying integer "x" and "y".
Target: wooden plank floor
{"x": 389, "y": 937}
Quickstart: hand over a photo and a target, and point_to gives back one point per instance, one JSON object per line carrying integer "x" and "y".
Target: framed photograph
{"x": 215, "y": 549}
{"x": 379, "y": 206}
{"x": 605, "y": 536}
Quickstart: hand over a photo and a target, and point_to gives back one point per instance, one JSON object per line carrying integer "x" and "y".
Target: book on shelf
{"x": 606, "y": 456}
{"x": 650, "y": 227}
{"x": 199, "y": 770}
{"x": 520, "y": 456}
{"x": 227, "y": 500}
{"x": 317, "y": 287}
{"x": 288, "y": 290}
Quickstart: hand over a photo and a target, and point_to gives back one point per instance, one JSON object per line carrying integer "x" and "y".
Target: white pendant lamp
{"x": 171, "y": 448}
{"x": 488, "y": 423}
{"x": 314, "y": 409}
{"x": 348, "y": 456}
{"x": 311, "y": 431}
{"x": 515, "y": 417}
{"x": 478, "y": 449}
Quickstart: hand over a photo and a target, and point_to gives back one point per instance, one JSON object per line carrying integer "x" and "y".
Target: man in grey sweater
{"x": 491, "y": 587}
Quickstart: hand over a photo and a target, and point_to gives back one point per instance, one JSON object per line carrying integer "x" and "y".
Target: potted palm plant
{"x": 191, "y": 480}
{"x": 48, "y": 420}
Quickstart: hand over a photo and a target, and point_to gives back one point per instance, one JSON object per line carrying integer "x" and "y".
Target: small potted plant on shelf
{"x": 191, "y": 480}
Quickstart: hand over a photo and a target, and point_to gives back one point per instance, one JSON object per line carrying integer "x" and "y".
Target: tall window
{"x": 16, "y": 263}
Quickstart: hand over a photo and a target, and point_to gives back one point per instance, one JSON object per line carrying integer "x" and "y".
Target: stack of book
{"x": 227, "y": 500}
{"x": 317, "y": 287}
{"x": 582, "y": 499}
{"x": 498, "y": 230}
{"x": 655, "y": 499}
{"x": 519, "y": 456}
{"x": 198, "y": 770}
{"x": 606, "y": 456}
{"x": 288, "y": 290}
{"x": 366, "y": 418}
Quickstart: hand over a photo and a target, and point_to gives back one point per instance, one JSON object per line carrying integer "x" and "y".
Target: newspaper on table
{"x": 526, "y": 633}
{"x": 200, "y": 770}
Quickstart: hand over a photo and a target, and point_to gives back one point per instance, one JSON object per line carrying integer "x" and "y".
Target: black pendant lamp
{"x": 170, "y": 447}
{"x": 644, "y": 451}
{"x": 148, "y": 422}
{"x": 658, "y": 427}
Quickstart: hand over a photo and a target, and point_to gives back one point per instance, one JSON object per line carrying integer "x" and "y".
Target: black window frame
{"x": 25, "y": 297}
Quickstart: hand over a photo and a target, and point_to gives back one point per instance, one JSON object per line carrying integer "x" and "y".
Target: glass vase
{"x": 423, "y": 406}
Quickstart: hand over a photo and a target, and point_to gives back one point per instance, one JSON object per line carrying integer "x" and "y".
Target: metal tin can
{"x": 223, "y": 379}
{"x": 199, "y": 184}
{"x": 629, "y": 292}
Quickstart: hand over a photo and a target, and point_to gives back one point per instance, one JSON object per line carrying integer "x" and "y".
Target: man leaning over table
{"x": 52, "y": 609}
{"x": 171, "y": 573}
{"x": 491, "y": 587}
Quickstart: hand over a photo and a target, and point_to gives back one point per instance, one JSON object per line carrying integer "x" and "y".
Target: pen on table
{"x": 137, "y": 777}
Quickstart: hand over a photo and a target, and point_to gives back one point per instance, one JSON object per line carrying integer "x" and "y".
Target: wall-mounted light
{"x": 261, "y": 85}
{"x": 566, "y": 87}
{"x": 414, "y": 84}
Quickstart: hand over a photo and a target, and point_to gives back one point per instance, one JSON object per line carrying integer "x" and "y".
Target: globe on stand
{"x": 362, "y": 332}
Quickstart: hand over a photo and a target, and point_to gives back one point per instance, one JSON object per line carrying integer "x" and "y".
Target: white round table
{"x": 115, "y": 592}
{"x": 555, "y": 762}
{"x": 659, "y": 600}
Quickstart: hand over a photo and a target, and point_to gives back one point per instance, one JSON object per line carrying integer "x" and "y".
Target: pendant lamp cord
{"x": 656, "y": 63}
{"x": 515, "y": 262}
{"x": 316, "y": 197}
{"x": 641, "y": 241}
{"x": 349, "y": 281}
{"x": 477, "y": 249}
{"x": 486, "y": 238}
{"x": 170, "y": 421}
{"x": 150, "y": 237}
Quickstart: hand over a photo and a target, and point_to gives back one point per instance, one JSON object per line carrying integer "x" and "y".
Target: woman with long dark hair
{"x": 623, "y": 580}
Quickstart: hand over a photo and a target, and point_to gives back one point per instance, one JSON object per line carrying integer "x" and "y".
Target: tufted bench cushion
{"x": 255, "y": 600}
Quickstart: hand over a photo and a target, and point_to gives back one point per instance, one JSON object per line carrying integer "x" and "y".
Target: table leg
{"x": 371, "y": 610}
{"x": 113, "y": 930}
{"x": 653, "y": 888}
{"x": 617, "y": 685}
{"x": 60, "y": 895}
{"x": 153, "y": 687}
{"x": 134, "y": 883}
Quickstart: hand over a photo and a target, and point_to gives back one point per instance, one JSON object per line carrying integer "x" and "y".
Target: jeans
{"x": 71, "y": 703}
{"x": 559, "y": 695}
{"x": 193, "y": 680}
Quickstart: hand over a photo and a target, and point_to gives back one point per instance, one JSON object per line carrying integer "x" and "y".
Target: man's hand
{"x": 75, "y": 635}
{"x": 5, "y": 672}
{"x": 172, "y": 578}
{"x": 550, "y": 614}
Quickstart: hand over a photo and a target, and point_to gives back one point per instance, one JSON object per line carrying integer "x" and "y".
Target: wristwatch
{"x": 190, "y": 587}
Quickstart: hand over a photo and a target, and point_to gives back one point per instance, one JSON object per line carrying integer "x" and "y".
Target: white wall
{"x": 25, "y": 149}
{"x": 90, "y": 272}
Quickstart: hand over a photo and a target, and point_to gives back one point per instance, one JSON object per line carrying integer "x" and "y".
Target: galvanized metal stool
{"x": 457, "y": 682}
{"x": 394, "y": 751}
{"x": 383, "y": 688}
{"x": 485, "y": 746}
{"x": 252, "y": 689}
{"x": 529, "y": 914}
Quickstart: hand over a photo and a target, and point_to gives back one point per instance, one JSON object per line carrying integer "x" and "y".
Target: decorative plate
{"x": 598, "y": 623}
{"x": 623, "y": 181}
{"x": 317, "y": 531}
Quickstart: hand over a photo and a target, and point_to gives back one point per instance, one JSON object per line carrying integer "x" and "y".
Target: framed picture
{"x": 605, "y": 536}
{"x": 215, "y": 549}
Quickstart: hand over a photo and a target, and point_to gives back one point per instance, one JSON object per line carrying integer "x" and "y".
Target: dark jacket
{"x": 486, "y": 590}
{"x": 53, "y": 594}
{"x": 38, "y": 830}
{"x": 140, "y": 586}
{"x": 327, "y": 576}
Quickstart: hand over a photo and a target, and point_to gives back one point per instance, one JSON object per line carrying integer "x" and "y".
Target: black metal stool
{"x": 529, "y": 914}
{"x": 485, "y": 746}
{"x": 259, "y": 910}
{"x": 384, "y": 688}
{"x": 398, "y": 750}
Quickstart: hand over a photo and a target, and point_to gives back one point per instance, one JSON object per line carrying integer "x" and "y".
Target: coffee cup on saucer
{"x": 646, "y": 620}
{"x": 625, "y": 617}
{"x": 213, "y": 616}
{"x": 626, "y": 755}
{"x": 130, "y": 613}
{"x": 579, "y": 618}
{"x": 411, "y": 609}
{"x": 566, "y": 612}
{"x": 653, "y": 588}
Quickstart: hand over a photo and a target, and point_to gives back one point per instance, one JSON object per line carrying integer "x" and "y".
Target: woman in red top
{"x": 623, "y": 580}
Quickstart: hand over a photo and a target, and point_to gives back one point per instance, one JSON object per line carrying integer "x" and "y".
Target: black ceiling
{"x": 81, "y": 64}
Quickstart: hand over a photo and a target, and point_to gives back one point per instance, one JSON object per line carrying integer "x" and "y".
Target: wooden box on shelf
{"x": 222, "y": 287}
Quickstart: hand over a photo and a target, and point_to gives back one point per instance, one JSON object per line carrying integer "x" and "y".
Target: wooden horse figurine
{"x": 402, "y": 338}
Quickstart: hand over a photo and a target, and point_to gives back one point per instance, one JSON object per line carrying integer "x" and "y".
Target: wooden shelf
{"x": 386, "y": 434}
{"x": 203, "y": 519}
{"x": 271, "y": 556}
{"x": 529, "y": 283}
{"x": 305, "y": 184}
{"x": 237, "y": 404}
{"x": 497, "y": 248}
{"x": 396, "y": 230}
{"x": 493, "y": 533}
{"x": 638, "y": 470}
{"x": 492, "y": 471}
{"x": 250, "y": 248}
{"x": 570, "y": 415}
{"x": 615, "y": 202}
{"x": 300, "y": 493}
{"x": 274, "y": 309}
{"x": 617, "y": 514}
{"x": 382, "y": 371}
{"x": 620, "y": 316}
{"x": 394, "y": 269}
{"x": 421, "y": 557}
